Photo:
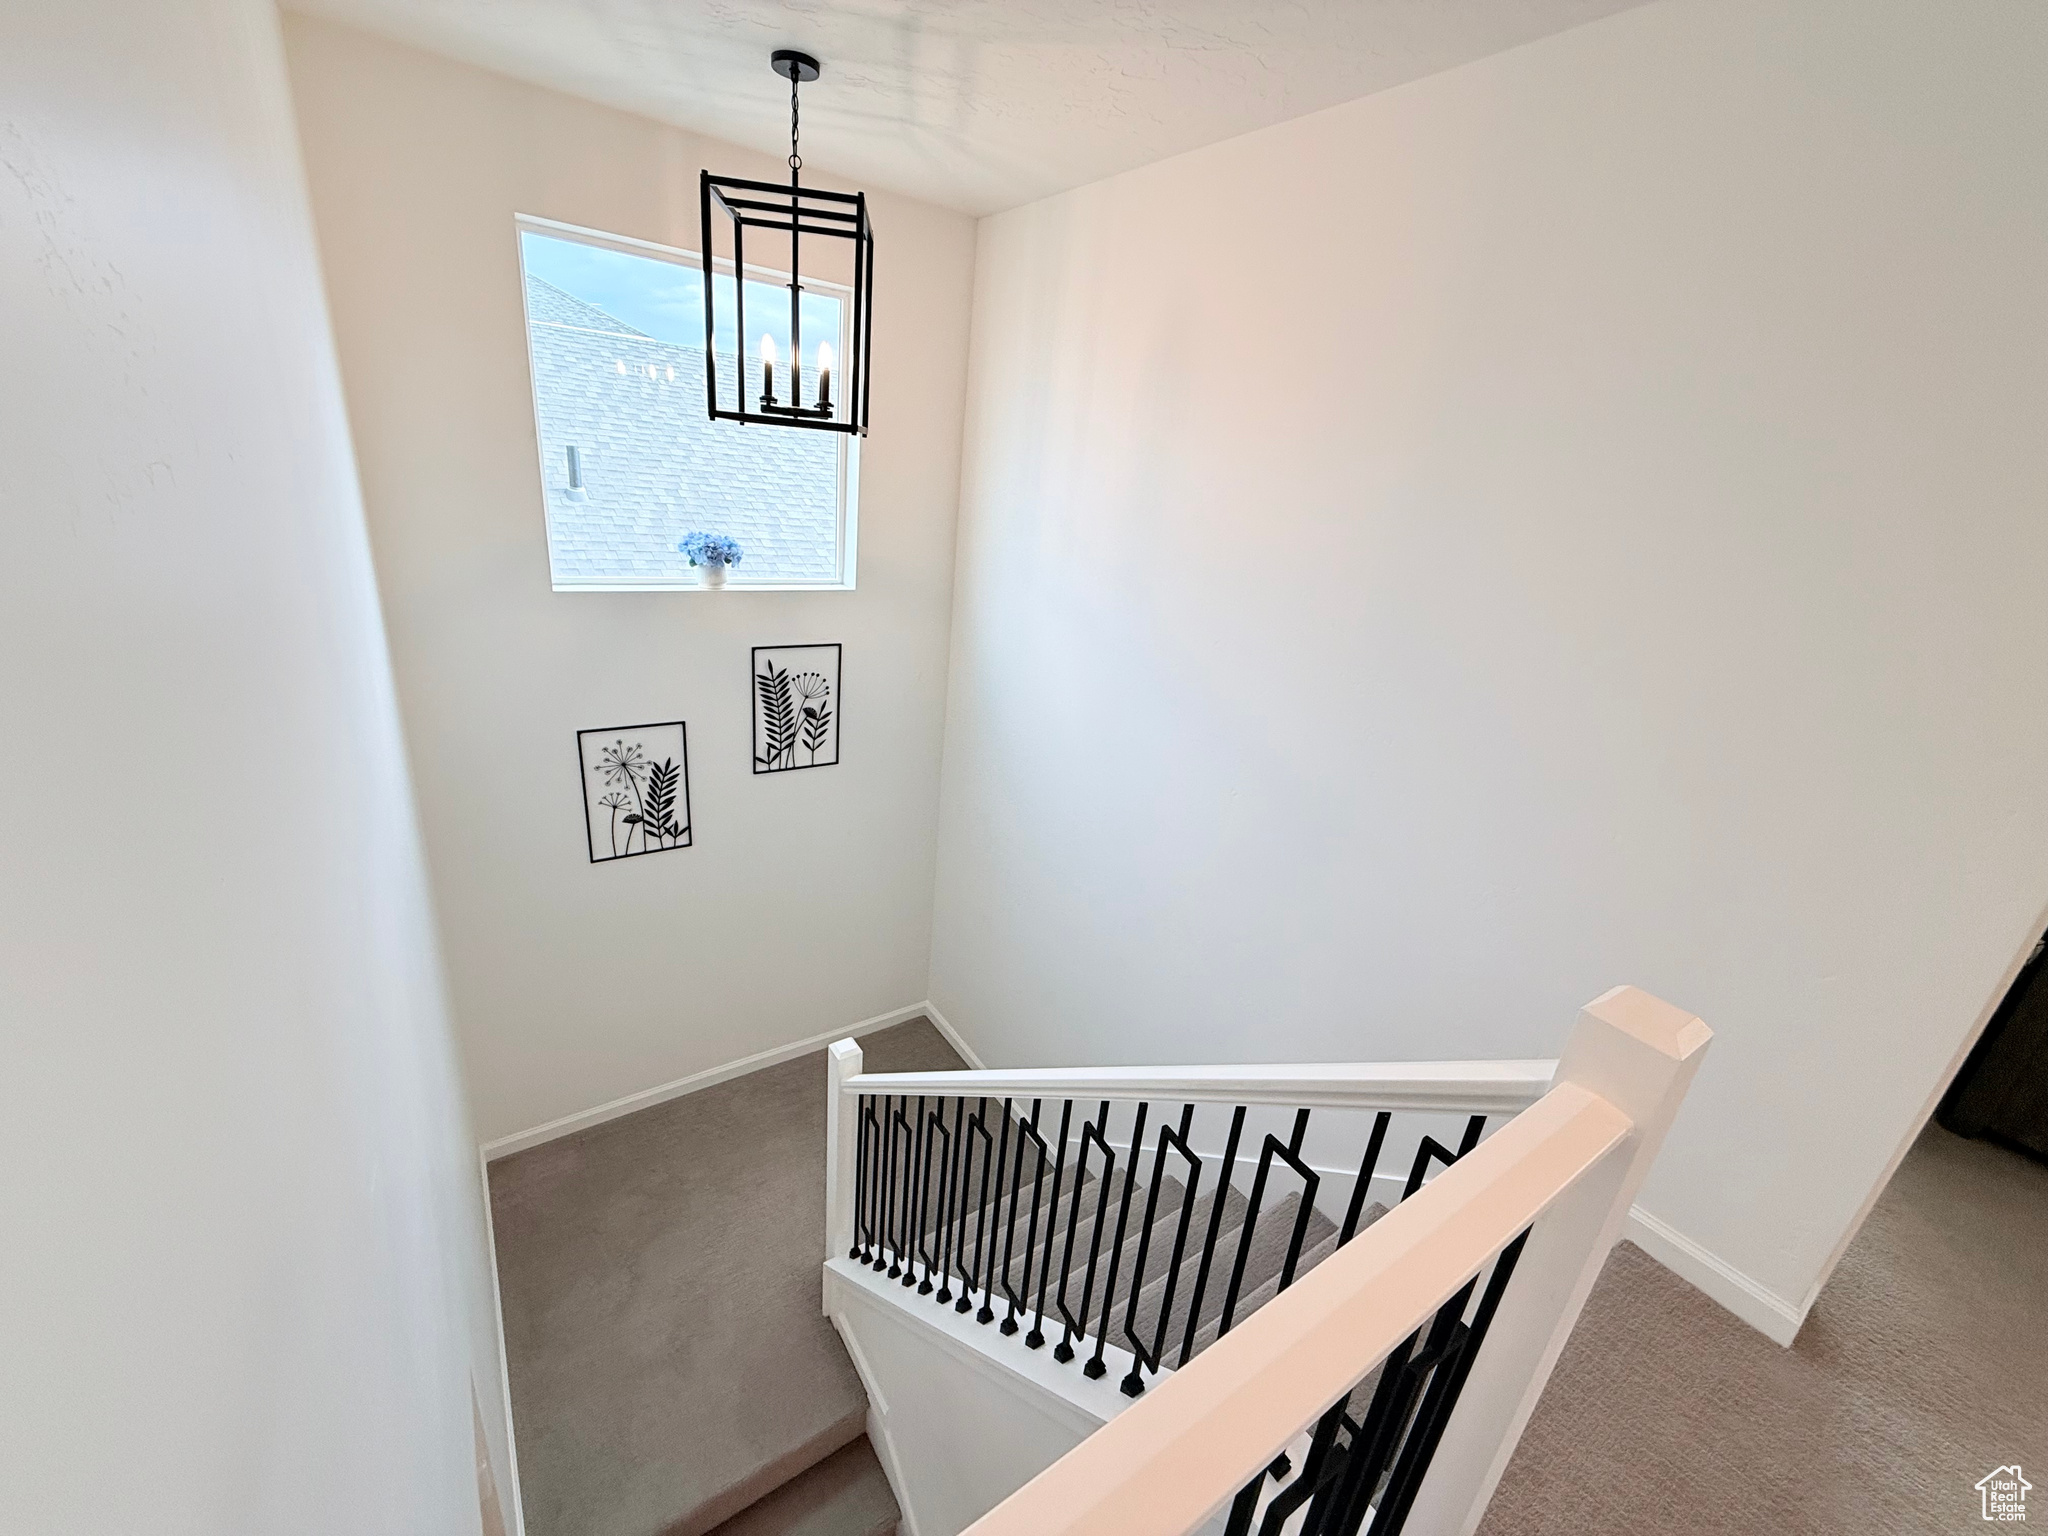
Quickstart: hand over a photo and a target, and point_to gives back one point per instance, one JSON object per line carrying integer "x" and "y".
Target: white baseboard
{"x": 518, "y": 1501}
{"x": 1757, "y": 1305}
{"x": 953, "y": 1037}
{"x": 647, "y": 1098}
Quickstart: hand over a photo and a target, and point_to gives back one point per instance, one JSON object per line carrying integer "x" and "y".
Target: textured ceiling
{"x": 974, "y": 104}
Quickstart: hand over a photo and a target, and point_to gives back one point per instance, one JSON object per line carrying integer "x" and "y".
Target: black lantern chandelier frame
{"x": 795, "y": 211}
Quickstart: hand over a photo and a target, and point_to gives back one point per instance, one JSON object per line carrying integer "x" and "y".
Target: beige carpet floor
{"x": 1923, "y": 1366}
{"x": 670, "y": 1363}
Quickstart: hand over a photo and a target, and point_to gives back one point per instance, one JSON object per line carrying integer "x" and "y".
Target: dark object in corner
{"x": 2001, "y": 1094}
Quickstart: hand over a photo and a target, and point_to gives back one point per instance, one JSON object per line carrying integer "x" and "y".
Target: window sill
{"x": 691, "y": 586}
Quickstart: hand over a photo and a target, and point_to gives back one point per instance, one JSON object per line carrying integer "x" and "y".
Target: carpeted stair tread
{"x": 1053, "y": 1241}
{"x": 669, "y": 1364}
{"x": 1263, "y": 1263}
{"x": 846, "y": 1494}
{"x": 1255, "y": 1297}
{"x": 1318, "y": 1242}
{"x": 1166, "y": 1219}
{"x": 1165, "y": 1214}
{"x": 1056, "y": 1253}
{"x": 966, "y": 1218}
{"x": 1053, "y": 1248}
{"x": 1184, "y": 1287}
{"x": 959, "y": 1255}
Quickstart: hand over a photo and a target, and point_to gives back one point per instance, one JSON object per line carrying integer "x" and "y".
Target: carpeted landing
{"x": 672, "y": 1373}
{"x": 1923, "y": 1366}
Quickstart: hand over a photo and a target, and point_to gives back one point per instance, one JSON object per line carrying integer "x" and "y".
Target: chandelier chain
{"x": 796, "y": 161}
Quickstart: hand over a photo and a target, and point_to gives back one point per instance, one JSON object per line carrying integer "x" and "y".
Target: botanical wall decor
{"x": 636, "y": 789}
{"x": 796, "y": 707}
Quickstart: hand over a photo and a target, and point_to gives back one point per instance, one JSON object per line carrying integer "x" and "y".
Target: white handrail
{"x": 1462, "y": 1087}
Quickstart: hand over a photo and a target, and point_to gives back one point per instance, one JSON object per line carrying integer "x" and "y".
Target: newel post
{"x": 842, "y": 1146}
{"x": 1639, "y": 1053}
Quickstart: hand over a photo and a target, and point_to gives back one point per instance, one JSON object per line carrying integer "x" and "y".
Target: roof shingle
{"x": 655, "y": 466}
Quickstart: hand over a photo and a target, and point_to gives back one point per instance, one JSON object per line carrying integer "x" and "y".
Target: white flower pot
{"x": 711, "y": 575}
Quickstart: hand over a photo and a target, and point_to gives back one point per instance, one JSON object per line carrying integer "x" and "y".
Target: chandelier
{"x": 794, "y": 391}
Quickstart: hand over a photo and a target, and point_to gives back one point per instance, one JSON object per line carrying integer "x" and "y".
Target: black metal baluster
{"x": 1142, "y": 1358}
{"x": 1446, "y": 1383}
{"x": 1290, "y": 1151}
{"x": 963, "y": 1214}
{"x": 1328, "y": 1496}
{"x": 914, "y": 1188}
{"x": 1035, "y": 1339}
{"x": 883, "y": 1132}
{"x": 878, "y": 1187}
{"x": 906, "y": 1178}
{"x": 987, "y": 1311}
{"x": 1025, "y": 1130}
{"x": 1430, "y": 1149}
{"x": 1216, "y": 1211}
{"x": 1427, "y": 1379}
{"x": 1311, "y": 1181}
{"x": 1396, "y": 1409}
{"x": 1064, "y": 1350}
{"x": 888, "y": 1191}
{"x": 935, "y": 1129}
{"x": 860, "y": 1177}
{"x": 977, "y": 1126}
{"x": 1371, "y": 1443}
{"x": 1318, "y": 1469}
{"x": 949, "y": 1220}
{"x": 878, "y": 1149}
{"x": 906, "y": 1230}
{"x": 899, "y": 1187}
{"x": 1095, "y": 1367}
{"x": 1243, "y": 1507}
{"x": 1331, "y": 1483}
{"x": 1367, "y": 1167}
{"x": 1028, "y": 1131}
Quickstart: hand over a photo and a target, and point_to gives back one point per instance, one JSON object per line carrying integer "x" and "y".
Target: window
{"x": 630, "y": 459}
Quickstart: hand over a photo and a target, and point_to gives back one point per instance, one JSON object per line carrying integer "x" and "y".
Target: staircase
{"x": 1306, "y": 1301}
{"x": 1026, "y": 1267}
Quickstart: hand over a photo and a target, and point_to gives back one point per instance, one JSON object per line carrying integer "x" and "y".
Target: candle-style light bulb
{"x": 825, "y": 377}
{"x": 767, "y": 369}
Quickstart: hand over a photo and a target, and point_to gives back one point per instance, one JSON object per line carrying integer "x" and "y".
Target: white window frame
{"x": 847, "y": 532}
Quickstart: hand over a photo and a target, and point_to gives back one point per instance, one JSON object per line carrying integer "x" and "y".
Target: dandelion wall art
{"x": 636, "y": 789}
{"x": 796, "y": 707}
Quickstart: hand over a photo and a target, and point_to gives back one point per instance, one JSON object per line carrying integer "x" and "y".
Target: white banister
{"x": 842, "y": 1142}
{"x": 1639, "y": 1054}
{"x": 1565, "y": 1170}
{"x": 1464, "y": 1087}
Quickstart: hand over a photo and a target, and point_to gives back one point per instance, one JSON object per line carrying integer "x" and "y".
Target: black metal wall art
{"x": 793, "y": 212}
{"x": 796, "y": 707}
{"x": 636, "y": 789}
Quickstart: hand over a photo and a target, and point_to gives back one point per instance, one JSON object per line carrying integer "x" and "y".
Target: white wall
{"x": 1573, "y": 520}
{"x": 960, "y": 1416}
{"x": 805, "y": 904}
{"x": 245, "y": 1286}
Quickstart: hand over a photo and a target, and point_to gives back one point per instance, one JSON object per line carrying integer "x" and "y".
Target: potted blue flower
{"x": 710, "y": 553}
